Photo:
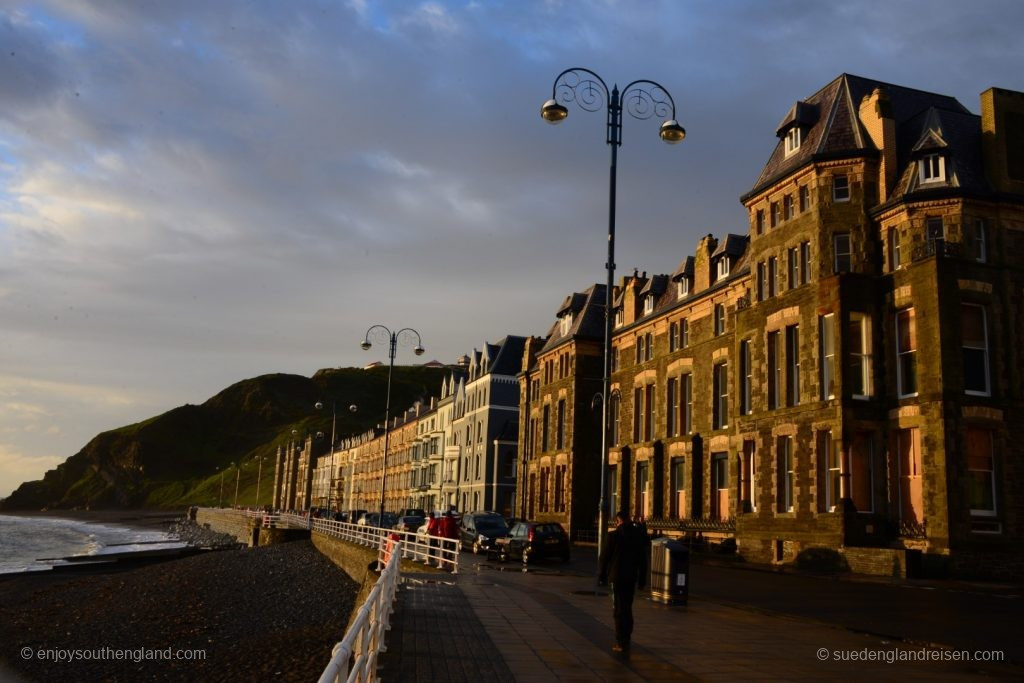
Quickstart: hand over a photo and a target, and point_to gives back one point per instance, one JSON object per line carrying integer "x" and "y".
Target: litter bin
{"x": 670, "y": 571}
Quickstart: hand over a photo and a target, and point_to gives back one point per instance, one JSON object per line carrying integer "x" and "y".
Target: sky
{"x": 193, "y": 193}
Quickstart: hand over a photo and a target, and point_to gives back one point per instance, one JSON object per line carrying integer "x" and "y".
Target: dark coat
{"x": 624, "y": 557}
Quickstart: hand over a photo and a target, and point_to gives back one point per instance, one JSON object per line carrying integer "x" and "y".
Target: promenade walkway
{"x": 493, "y": 622}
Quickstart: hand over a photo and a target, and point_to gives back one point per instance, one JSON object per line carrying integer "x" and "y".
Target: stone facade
{"x": 560, "y": 432}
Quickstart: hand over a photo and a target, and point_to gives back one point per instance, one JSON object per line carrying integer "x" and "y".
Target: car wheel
{"x": 476, "y": 547}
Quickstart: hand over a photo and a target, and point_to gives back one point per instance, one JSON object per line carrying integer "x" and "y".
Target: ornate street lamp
{"x": 642, "y": 99}
{"x": 405, "y": 337}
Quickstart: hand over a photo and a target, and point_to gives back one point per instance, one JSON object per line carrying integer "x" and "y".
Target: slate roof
{"x": 588, "y": 320}
{"x": 732, "y": 245}
{"x": 832, "y": 129}
{"x": 505, "y": 357}
{"x": 685, "y": 268}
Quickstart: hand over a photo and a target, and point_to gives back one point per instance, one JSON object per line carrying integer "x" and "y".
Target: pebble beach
{"x": 270, "y": 613}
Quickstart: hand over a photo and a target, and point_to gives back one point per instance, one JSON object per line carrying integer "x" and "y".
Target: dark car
{"x": 535, "y": 540}
{"x": 478, "y": 531}
{"x": 412, "y": 512}
{"x": 409, "y": 522}
{"x": 373, "y": 519}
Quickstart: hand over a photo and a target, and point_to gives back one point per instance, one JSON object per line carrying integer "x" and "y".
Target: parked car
{"x": 478, "y": 531}
{"x": 409, "y": 522}
{"x": 535, "y": 540}
{"x": 412, "y": 512}
{"x": 374, "y": 519}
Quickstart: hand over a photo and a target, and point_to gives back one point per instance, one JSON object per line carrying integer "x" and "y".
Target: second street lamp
{"x": 405, "y": 336}
{"x": 642, "y": 99}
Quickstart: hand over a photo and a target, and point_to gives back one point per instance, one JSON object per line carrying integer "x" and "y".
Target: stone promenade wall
{"x": 245, "y": 529}
{"x": 231, "y": 522}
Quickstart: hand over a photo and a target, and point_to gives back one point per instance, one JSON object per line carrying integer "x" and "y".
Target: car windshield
{"x": 484, "y": 524}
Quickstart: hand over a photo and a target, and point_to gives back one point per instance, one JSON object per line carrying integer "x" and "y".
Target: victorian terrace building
{"x": 560, "y": 431}
{"x": 849, "y": 375}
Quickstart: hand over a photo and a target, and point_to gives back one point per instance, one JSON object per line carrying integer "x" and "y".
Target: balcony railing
{"x": 937, "y": 247}
{"x": 743, "y": 302}
{"x": 701, "y": 524}
{"x": 910, "y": 529}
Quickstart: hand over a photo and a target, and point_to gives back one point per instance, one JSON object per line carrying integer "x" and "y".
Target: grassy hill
{"x": 195, "y": 454}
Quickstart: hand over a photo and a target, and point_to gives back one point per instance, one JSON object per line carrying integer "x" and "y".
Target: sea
{"x": 40, "y": 543}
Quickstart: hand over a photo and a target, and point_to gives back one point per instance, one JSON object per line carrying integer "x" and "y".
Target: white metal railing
{"x": 355, "y": 657}
{"x": 429, "y": 550}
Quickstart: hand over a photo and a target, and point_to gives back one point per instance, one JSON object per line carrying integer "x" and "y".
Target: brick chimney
{"x": 629, "y": 301}
{"x": 702, "y": 262}
{"x": 876, "y": 115}
{"x": 1002, "y": 134}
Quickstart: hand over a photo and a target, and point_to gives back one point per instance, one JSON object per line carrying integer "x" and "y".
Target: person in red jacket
{"x": 434, "y": 532}
{"x": 449, "y": 529}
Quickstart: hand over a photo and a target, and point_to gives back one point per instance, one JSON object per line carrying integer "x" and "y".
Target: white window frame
{"x": 648, "y": 304}
{"x": 721, "y": 407}
{"x": 833, "y": 473}
{"x": 805, "y": 262}
{"x": 723, "y": 267}
{"x": 686, "y": 396}
{"x": 683, "y": 287}
{"x": 980, "y": 243}
{"x": 900, "y": 355}
{"x": 827, "y": 332}
{"x": 794, "y": 138}
{"x": 895, "y": 261}
{"x": 932, "y": 168}
{"x": 864, "y": 323}
{"x": 984, "y": 349}
{"x": 840, "y": 187}
{"x": 793, "y": 267}
{"x": 746, "y": 379}
{"x": 976, "y": 512}
{"x": 836, "y": 253}
{"x": 565, "y": 324}
{"x": 684, "y": 333}
{"x": 620, "y": 317}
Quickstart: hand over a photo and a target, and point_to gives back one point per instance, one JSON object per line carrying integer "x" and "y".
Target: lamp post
{"x": 259, "y": 476}
{"x": 319, "y": 405}
{"x": 642, "y": 99}
{"x": 405, "y": 336}
{"x": 220, "y": 501}
{"x": 238, "y": 476}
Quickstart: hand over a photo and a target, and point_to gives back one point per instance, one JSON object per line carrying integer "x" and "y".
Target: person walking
{"x": 449, "y": 529}
{"x": 623, "y": 563}
{"x": 433, "y": 531}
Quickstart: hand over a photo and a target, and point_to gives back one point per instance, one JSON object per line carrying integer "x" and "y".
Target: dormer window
{"x": 723, "y": 267}
{"x": 620, "y": 318}
{"x": 683, "y": 288}
{"x": 565, "y": 323}
{"x": 933, "y": 168}
{"x": 648, "y": 304}
{"x": 793, "y": 139}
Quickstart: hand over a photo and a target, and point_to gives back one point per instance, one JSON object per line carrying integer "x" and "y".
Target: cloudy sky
{"x": 196, "y": 192}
